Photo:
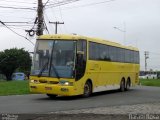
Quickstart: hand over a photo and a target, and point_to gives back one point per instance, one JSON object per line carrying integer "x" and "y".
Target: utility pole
{"x": 146, "y": 54}
{"x": 40, "y": 18}
{"x": 56, "y": 25}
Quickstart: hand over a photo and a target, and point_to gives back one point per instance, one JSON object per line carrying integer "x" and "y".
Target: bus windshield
{"x": 54, "y": 58}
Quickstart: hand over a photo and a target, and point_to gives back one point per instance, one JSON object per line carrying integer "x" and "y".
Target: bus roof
{"x": 77, "y": 37}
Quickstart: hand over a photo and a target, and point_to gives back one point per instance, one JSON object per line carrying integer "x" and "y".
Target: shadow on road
{"x": 79, "y": 97}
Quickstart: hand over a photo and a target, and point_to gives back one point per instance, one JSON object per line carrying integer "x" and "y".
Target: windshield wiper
{"x": 43, "y": 68}
{"x": 55, "y": 71}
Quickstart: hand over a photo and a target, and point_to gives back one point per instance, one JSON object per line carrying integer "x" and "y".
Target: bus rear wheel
{"x": 87, "y": 89}
{"x": 51, "y": 95}
{"x": 122, "y": 85}
{"x": 128, "y": 84}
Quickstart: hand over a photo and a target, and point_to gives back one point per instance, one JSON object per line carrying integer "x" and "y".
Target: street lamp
{"x": 124, "y": 32}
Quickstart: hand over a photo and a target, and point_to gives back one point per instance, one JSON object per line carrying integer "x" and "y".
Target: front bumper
{"x": 53, "y": 89}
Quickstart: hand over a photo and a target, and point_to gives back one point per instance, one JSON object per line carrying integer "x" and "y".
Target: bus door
{"x": 81, "y": 58}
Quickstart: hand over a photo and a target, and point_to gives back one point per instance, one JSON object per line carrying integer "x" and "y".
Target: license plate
{"x": 48, "y": 88}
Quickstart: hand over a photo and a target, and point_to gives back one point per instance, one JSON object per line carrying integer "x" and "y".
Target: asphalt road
{"x": 42, "y": 104}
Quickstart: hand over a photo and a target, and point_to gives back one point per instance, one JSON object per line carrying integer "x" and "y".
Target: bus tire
{"x": 51, "y": 95}
{"x": 87, "y": 89}
{"x": 122, "y": 85}
{"x": 128, "y": 85}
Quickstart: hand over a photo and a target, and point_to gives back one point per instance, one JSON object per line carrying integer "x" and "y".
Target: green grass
{"x": 150, "y": 82}
{"x": 22, "y": 87}
{"x": 14, "y": 87}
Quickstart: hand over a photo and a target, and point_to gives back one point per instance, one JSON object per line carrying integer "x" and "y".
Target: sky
{"x": 94, "y": 18}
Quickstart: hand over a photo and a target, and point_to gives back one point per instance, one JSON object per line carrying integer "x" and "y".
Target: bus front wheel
{"x": 87, "y": 89}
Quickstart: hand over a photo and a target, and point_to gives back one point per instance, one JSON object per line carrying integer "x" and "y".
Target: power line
{"x": 19, "y": 1}
{"x": 18, "y": 28}
{"x": 16, "y": 33}
{"x": 24, "y": 8}
{"x": 46, "y": 27}
{"x": 62, "y": 17}
{"x": 55, "y": 15}
{"x": 16, "y": 22}
{"x": 18, "y": 5}
{"x": 98, "y": 3}
{"x": 61, "y": 3}
{"x": 90, "y": 4}
{"x": 45, "y": 3}
{"x": 19, "y": 25}
{"x": 155, "y": 53}
{"x": 10, "y": 11}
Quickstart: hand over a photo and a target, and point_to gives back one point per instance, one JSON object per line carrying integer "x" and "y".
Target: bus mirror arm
{"x": 80, "y": 52}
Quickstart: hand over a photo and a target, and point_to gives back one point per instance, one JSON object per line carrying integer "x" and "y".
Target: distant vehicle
{"x": 18, "y": 76}
{"x": 148, "y": 76}
{"x": 151, "y": 76}
{"x": 142, "y": 77}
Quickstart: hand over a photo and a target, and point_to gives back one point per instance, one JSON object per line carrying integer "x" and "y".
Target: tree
{"x": 14, "y": 59}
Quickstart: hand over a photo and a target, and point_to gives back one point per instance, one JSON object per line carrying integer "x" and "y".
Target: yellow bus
{"x": 69, "y": 65}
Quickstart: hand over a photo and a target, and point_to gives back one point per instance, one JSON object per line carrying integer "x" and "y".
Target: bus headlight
{"x": 34, "y": 81}
{"x": 65, "y": 83}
